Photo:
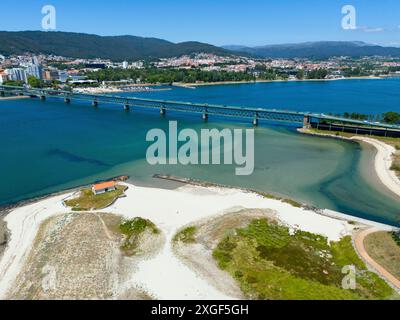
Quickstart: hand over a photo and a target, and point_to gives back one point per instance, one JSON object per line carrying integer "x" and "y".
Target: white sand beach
{"x": 383, "y": 162}
{"x": 163, "y": 276}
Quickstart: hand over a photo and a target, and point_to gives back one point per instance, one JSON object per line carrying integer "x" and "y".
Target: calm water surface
{"x": 50, "y": 146}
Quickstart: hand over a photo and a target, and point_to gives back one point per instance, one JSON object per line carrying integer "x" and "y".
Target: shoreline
{"x": 382, "y": 162}
{"x": 14, "y": 98}
{"x": 183, "y": 85}
{"x": 193, "y": 85}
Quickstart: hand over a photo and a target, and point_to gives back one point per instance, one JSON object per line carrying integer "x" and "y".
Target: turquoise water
{"x": 51, "y": 146}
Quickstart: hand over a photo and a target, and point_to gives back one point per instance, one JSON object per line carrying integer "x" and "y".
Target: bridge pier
{"x": 95, "y": 103}
{"x": 126, "y": 107}
{"x": 162, "y": 111}
{"x": 255, "y": 119}
{"x": 205, "y": 115}
{"x": 67, "y": 100}
{"x": 306, "y": 122}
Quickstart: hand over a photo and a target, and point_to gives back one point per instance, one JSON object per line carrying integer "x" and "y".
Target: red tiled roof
{"x": 104, "y": 185}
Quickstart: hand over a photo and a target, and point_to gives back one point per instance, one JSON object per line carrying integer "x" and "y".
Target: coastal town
{"x": 200, "y": 158}
{"x": 104, "y": 75}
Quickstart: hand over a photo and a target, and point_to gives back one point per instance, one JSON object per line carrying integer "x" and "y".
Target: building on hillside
{"x": 3, "y": 77}
{"x": 63, "y": 76}
{"x": 125, "y": 65}
{"x": 17, "y": 74}
{"x": 104, "y": 187}
{"x": 35, "y": 70}
{"x": 50, "y": 75}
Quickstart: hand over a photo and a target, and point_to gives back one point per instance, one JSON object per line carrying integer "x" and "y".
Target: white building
{"x": 125, "y": 65}
{"x": 17, "y": 74}
{"x": 104, "y": 187}
{"x": 63, "y": 76}
{"x": 137, "y": 65}
{"x": 35, "y": 70}
{"x": 3, "y": 78}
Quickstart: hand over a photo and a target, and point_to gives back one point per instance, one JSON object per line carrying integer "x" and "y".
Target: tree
{"x": 391, "y": 117}
{"x": 300, "y": 74}
{"x": 318, "y": 74}
{"x": 13, "y": 83}
{"x": 35, "y": 82}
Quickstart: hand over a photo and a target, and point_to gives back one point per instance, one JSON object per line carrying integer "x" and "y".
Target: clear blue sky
{"x": 219, "y": 22}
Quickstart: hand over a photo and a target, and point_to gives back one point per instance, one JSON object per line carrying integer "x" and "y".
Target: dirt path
{"x": 106, "y": 231}
{"x": 359, "y": 244}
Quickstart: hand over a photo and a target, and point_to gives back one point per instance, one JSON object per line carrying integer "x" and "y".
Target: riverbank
{"x": 14, "y": 98}
{"x": 383, "y": 160}
{"x": 199, "y": 84}
{"x": 119, "y": 90}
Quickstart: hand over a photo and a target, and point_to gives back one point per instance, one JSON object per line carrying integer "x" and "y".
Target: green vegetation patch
{"x": 271, "y": 263}
{"x": 382, "y": 247}
{"x": 396, "y": 237}
{"x": 292, "y": 202}
{"x": 87, "y": 200}
{"x": 186, "y": 235}
{"x": 133, "y": 230}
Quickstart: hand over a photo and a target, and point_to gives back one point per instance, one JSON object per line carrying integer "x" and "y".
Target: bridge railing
{"x": 204, "y": 108}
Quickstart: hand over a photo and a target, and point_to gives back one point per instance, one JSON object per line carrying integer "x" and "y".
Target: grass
{"x": 186, "y": 235}
{"x": 396, "y": 237}
{"x": 382, "y": 247}
{"x": 132, "y": 230}
{"x": 292, "y": 202}
{"x": 270, "y": 263}
{"x": 87, "y": 200}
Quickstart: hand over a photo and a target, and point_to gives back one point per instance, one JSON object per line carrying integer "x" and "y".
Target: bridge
{"x": 306, "y": 119}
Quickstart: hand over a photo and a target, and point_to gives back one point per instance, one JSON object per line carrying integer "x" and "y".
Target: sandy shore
{"x": 170, "y": 210}
{"x": 383, "y": 163}
{"x": 199, "y": 84}
{"x": 14, "y": 98}
{"x": 383, "y": 158}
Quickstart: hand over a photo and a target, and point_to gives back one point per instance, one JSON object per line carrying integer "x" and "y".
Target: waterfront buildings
{"x": 63, "y": 76}
{"x": 3, "y": 77}
{"x": 35, "y": 70}
{"x": 17, "y": 74}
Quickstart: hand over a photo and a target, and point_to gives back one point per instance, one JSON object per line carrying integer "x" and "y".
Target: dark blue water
{"x": 51, "y": 146}
{"x": 363, "y": 96}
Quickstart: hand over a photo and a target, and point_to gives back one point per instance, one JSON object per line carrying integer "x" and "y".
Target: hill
{"x": 80, "y": 45}
{"x": 317, "y": 50}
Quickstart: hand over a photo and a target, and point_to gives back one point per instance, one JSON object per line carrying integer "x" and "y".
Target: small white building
{"x": 104, "y": 187}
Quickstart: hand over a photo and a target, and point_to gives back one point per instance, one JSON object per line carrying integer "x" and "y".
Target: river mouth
{"x": 52, "y": 146}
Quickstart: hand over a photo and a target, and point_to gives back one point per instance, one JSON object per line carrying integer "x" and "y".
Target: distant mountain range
{"x": 80, "y": 45}
{"x": 317, "y": 50}
{"x": 118, "y": 48}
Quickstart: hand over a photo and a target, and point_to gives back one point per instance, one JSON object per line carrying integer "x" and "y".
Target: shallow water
{"x": 50, "y": 146}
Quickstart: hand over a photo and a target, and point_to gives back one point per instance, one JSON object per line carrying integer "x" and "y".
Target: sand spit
{"x": 161, "y": 275}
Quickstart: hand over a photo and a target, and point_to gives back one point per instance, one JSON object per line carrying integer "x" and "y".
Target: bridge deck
{"x": 203, "y": 108}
